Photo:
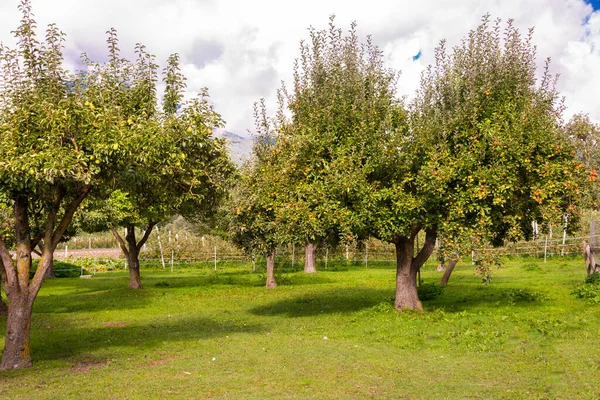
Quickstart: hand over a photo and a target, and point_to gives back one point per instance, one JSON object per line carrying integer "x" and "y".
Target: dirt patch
{"x": 86, "y": 365}
{"x": 158, "y": 362}
{"x": 113, "y": 324}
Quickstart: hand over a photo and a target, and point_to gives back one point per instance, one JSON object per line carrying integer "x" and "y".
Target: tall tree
{"x": 62, "y": 135}
{"x": 483, "y": 153}
{"x": 342, "y": 97}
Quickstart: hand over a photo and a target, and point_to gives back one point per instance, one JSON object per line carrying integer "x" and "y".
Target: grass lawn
{"x": 196, "y": 334}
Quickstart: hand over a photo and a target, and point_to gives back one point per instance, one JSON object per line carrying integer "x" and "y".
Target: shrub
{"x": 429, "y": 291}
{"x": 524, "y": 295}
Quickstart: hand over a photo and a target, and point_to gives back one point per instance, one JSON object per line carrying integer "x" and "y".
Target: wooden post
{"x": 347, "y": 258}
{"x": 162, "y": 256}
{"x": 293, "y": 254}
{"x": 562, "y": 251}
{"x": 366, "y": 255}
{"x": 66, "y": 251}
{"x": 326, "y": 256}
{"x": 215, "y": 258}
{"x": 545, "y": 249}
{"x": 172, "y": 257}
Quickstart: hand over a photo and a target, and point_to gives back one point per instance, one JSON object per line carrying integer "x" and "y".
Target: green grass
{"x": 196, "y": 334}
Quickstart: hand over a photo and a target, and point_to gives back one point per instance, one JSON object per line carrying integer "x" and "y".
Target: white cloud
{"x": 241, "y": 50}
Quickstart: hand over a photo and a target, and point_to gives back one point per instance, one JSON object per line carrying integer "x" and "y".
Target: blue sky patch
{"x": 594, "y": 3}
{"x": 415, "y": 58}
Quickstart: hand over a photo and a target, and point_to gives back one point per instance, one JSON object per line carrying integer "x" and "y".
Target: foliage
{"x": 184, "y": 170}
{"x": 593, "y": 279}
{"x": 486, "y": 148}
{"x": 253, "y": 223}
{"x": 585, "y": 136}
{"x": 343, "y": 98}
{"x": 590, "y": 290}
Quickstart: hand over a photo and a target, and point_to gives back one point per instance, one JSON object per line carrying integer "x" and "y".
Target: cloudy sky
{"x": 242, "y": 50}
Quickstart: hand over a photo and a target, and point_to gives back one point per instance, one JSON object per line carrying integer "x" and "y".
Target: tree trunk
{"x": 50, "y": 271}
{"x": 131, "y": 249}
{"x": 406, "y": 276}
{"x": 16, "y": 347}
{"x": 135, "y": 280}
{"x": 271, "y": 270}
{"x": 408, "y": 266}
{"x": 310, "y": 258}
{"x": 448, "y": 272}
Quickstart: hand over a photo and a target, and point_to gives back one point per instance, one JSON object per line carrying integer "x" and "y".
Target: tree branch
{"x": 144, "y": 239}
{"x": 428, "y": 246}
{"x": 68, "y": 215}
{"x": 122, "y": 243}
{"x": 8, "y": 266}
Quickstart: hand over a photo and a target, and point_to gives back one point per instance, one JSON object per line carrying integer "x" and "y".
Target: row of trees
{"x": 478, "y": 154}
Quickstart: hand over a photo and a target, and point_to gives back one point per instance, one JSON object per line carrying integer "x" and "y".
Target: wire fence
{"x": 178, "y": 250}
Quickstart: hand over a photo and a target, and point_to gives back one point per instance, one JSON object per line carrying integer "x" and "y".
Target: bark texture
{"x": 271, "y": 283}
{"x": 310, "y": 258}
{"x": 20, "y": 290}
{"x": 448, "y": 272}
{"x": 18, "y": 324}
{"x": 50, "y": 271}
{"x": 408, "y": 266}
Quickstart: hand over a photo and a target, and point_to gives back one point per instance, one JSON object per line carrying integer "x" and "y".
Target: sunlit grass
{"x": 195, "y": 333}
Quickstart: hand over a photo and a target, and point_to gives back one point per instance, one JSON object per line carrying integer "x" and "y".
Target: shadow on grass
{"x": 166, "y": 280}
{"x": 68, "y": 341}
{"x": 326, "y": 302}
{"x": 459, "y": 296}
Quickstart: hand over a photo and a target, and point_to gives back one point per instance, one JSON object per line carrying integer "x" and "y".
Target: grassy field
{"x": 199, "y": 334}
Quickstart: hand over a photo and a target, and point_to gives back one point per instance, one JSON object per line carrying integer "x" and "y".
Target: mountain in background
{"x": 240, "y": 147}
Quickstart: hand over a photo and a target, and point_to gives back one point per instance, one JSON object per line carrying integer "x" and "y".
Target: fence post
{"x": 326, "y": 256}
{"x": 562, "y": 251}
{"x": 293, "y": 255}
{"x": 162, "y": 257}
{"x": 66, "y": 251}
{"x": 545, "y": 249}
{"x": 366, "y": 255}
{"x": 215, "y": 258}
{"x": 172, "y": 256}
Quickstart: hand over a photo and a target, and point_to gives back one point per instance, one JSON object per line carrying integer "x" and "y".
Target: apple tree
{"x": 483, "y": 152}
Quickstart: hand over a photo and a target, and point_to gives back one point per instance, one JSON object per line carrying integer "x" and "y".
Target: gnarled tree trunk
{"x": 448, "y": 272}
{"x": 407, "y": 267}
{"x": 271, "y": 270}
{"x": 20, "y": 290}
{"x": 310, "y": 258}
{"x": 406, "y": 276}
